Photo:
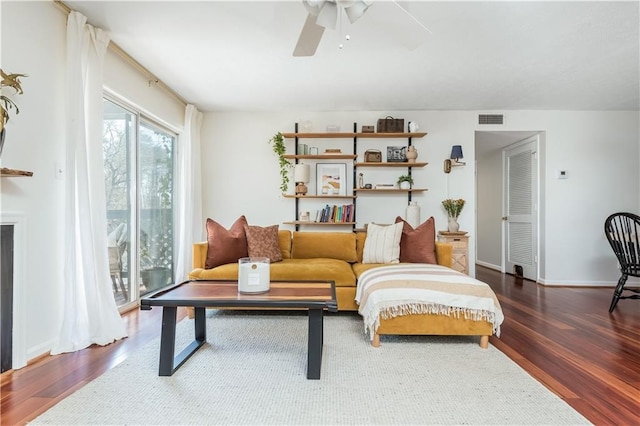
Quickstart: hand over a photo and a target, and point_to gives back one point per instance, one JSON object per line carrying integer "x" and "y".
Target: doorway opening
{"x": 509, "y": 241}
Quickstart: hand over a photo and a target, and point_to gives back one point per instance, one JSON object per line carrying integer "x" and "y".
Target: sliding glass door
{"x": 156, "y": 207}
{"x": 139, "y": 169}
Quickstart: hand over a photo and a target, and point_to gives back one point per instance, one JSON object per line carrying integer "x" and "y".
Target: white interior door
{"x": 521, "y": 208}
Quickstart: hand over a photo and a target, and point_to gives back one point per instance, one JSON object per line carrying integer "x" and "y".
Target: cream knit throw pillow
{"x": 382, "y": 244}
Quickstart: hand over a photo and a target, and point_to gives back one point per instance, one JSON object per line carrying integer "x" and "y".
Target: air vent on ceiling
{"x": 490, "y": 119}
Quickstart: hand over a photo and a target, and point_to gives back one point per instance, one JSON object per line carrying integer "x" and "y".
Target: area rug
{"x": 252, "y": 370}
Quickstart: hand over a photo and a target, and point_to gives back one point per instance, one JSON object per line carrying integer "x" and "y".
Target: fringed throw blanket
{"x": 419, "y": 288}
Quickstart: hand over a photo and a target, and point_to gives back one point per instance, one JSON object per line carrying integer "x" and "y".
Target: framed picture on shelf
{"x": 396, "y": 154}
{"x": 331, "y": 179}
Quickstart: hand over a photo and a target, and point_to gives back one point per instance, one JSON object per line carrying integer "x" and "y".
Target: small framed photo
{"x": 331, "y": 179}
{"x": 397, "y": 154}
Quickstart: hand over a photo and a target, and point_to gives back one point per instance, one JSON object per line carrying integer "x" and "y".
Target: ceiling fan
{"x": 326, "y": 13}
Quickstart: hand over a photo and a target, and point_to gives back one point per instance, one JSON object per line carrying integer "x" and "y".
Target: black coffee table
{"x": 315, "y": 296}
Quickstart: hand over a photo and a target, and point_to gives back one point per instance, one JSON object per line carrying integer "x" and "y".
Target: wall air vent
{"x": 490, "y": 119}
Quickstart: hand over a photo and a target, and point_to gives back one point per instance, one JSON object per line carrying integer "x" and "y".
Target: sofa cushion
{"x": 284, "y": 241}
{"x": 263, "y": 242}
{"x": 359, "y": 268}
{"x": 289, "y": 270}
{"x": 360, "y": 239}
{"x": 418, "y": 245}
{"x": 382, "y": 244}
{"x": 225, "y": 246}
{"x": 331, "y": 245}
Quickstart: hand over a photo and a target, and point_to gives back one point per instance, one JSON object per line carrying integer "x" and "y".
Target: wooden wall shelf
{"x": 4, "y": 172}
{"x": 319, "y": 196}
{"x": 337, "y": 135}
{"x": 391, "y": 190}
{"x": 322, "y": 156}
{"x": 391, "y": 164}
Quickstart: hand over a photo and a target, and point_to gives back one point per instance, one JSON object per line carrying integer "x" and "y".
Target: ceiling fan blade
{"x": 309, "y": 38}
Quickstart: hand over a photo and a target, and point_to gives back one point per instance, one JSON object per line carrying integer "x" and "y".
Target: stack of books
{"x": 335, "y": 214}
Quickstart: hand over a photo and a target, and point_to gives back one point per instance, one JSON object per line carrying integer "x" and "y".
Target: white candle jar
{"x": 253, "y": 275}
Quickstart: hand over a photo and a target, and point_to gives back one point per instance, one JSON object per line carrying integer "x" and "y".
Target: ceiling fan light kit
{"x": 325, "y": 14}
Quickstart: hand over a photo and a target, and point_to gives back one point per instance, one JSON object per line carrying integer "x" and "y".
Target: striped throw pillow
{"x": 382, "y": 244}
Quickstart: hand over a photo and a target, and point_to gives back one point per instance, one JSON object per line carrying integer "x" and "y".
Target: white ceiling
{"x": 237, "y": 55}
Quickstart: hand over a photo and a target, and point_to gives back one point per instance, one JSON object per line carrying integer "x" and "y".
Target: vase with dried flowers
{"x": 453, "y": 209}
{"x": 6, "y": 103}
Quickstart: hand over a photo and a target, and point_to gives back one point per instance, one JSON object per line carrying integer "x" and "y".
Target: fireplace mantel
{"x": 4, "y": 172}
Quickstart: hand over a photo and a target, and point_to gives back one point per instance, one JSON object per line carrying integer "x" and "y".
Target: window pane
{"x": 156, "y": 159}
{"x": 119, "y": 127}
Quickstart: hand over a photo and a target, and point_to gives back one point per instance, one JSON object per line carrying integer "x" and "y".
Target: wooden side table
{"x": 460, "y": 242}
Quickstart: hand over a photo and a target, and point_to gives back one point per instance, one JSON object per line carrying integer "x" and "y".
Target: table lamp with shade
{"x": 301, "y": 174}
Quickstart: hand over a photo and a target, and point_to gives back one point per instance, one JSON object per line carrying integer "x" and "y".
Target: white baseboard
{"x": 489, "y": 265}
{"x": 565, "y": 283}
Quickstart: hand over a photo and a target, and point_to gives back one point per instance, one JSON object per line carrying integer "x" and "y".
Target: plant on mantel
{"x": 277, "y": 142}
{"x": 6, "y": 103}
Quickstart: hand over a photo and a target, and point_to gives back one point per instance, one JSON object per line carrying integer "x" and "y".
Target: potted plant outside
{"x": 405, "y": 182}
{"x": 277, "y": 142}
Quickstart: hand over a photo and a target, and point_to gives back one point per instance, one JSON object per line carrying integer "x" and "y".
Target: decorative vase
{"x": 413, "y": 214}
{"x": 453, "y": 224}
{"x": 2, "y": 132}
{"x": 405, "y": 185}
{"x": 412, "y": 154}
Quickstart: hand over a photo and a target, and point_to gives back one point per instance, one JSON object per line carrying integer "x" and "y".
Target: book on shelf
{"x": 384, "y": 186}
{"x": 335, "y": 214}
{"x": 303, "y": 149}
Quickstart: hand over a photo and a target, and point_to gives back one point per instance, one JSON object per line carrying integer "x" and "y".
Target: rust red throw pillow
{"x": 263, "y": 242}
{"x": 418, "y": 245}
{"x": 225, "y": 246}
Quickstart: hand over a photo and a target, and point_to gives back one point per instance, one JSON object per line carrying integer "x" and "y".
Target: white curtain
{"x": 190, "y": 226}
{"x": 90, "y": 314}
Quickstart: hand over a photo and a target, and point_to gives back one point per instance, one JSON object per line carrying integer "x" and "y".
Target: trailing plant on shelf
{"x": 405, "y": 178}
{"x": 277, "y": 143}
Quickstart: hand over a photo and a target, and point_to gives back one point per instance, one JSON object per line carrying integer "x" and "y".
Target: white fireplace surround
{"x": 19, "y": 344}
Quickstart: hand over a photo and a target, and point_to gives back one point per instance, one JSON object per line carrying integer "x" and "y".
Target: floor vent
{"x": 490, "y": 119}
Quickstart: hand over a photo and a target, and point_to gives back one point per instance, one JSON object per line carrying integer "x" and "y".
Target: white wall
{"x": 489, "y": 209}
{"x": 33, "y": 42}
{"x": 586, "y": 144}
{"x": 124, "y": 81}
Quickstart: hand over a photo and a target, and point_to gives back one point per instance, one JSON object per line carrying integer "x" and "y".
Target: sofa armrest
{"x": 444, "y": 254}
{"x": 200, "y": 254}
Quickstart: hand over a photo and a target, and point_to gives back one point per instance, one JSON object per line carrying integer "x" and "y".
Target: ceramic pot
{"x": 2, "y": 132}
{"x": 413, "y": 214}
{"x": 412, "y": 154}
{"x": 453, "y": 225}
{"x": 405, "y": 185}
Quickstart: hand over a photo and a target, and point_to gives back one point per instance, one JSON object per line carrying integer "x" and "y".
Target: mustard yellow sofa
{"x": 335, "y": 256}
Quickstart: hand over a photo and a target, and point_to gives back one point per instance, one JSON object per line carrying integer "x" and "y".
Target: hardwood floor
{"x": 565, "y": 337}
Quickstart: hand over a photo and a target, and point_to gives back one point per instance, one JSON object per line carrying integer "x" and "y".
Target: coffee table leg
{"x": 167, "y": 340}
{"x": 169, "y": 363}
{"x": 314, "y": 360}
{"x": 200, "y": 324}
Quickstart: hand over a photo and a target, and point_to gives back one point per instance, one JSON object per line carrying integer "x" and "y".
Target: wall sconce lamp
{"x": 301, "y": 174}
{"x": 453, "y": 161}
